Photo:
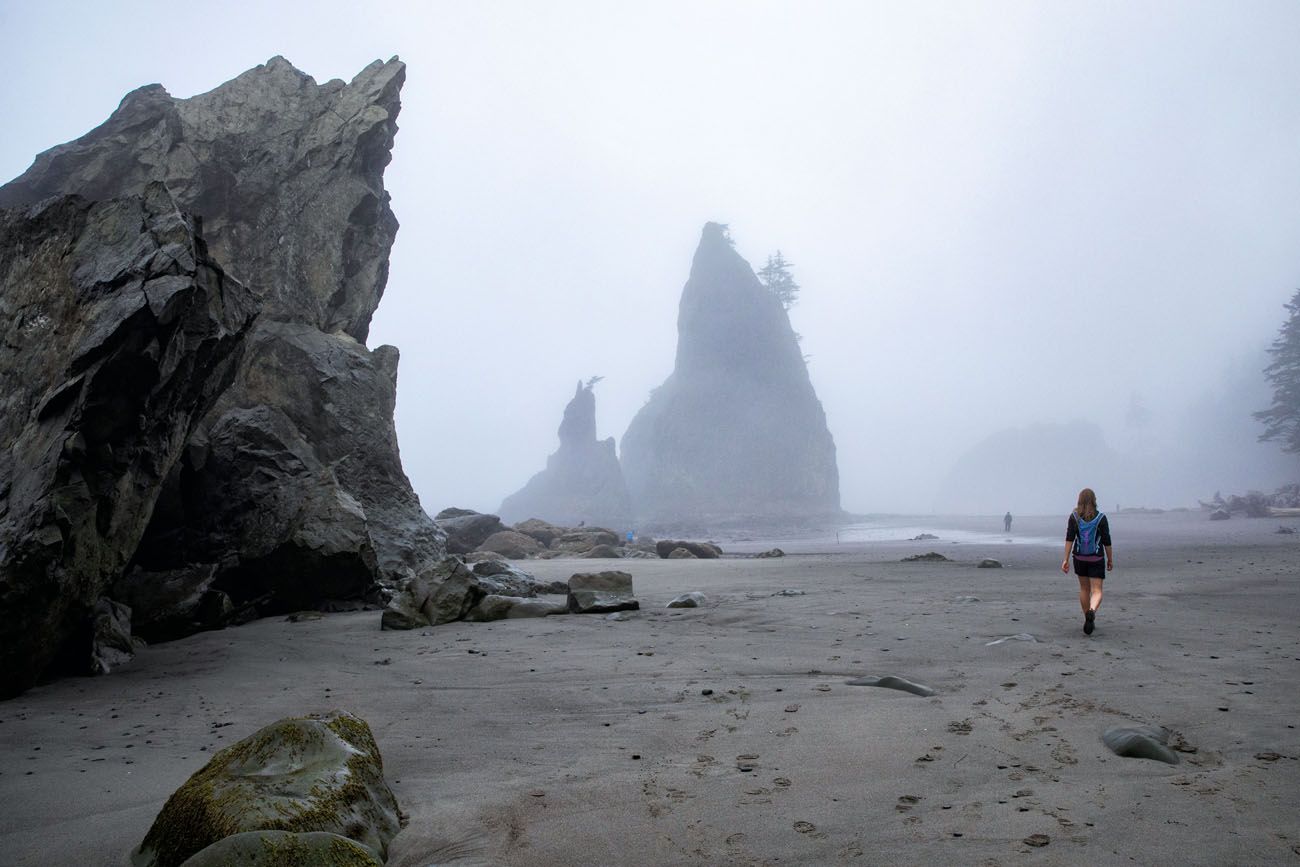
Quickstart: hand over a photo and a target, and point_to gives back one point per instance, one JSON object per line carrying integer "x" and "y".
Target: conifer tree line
{"x": 1282, "y": 419}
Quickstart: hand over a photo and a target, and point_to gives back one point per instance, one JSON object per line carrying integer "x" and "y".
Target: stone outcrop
{"x": 304, "y": 775}
{"x": 582, "y": 482}
{"x": 736, "y": 431}
{"x": 120, "y": 332}
{"x": 704, "y": 550}
{"x": 290, "y": 484}
{"x": 451, "y": 591}
{"x": 601, "y": 593}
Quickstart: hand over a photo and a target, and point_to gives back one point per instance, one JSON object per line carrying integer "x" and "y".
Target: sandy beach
{"x": 728, "y": 734}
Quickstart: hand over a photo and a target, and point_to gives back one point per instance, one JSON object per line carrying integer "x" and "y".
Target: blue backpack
{"x": 1087, "y": 542}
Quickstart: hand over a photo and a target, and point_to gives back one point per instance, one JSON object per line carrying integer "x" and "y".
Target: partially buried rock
{"x": 1140, "y": 742}
{"x": 493, "y": 607}
{"x": 284, "y": 849}
{"x": 990, "y": 563}
{"x": 1220, "y": 515}
{"x": 693, "y": 599}
{"x": 931, "y": 557}
{"x": 302, "y": 774}
{"x": 681, "y": 554}
{"x": 601, "y": 592}
{"x": 775, "y": 552}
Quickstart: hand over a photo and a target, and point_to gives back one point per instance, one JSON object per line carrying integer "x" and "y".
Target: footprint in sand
{"x": 805, "y": 827}
{"x": 960, "y": 728}
{"x": 907, "y": 802}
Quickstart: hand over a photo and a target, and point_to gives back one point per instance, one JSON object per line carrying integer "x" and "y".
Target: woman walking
{"x": 1087, "y": 534}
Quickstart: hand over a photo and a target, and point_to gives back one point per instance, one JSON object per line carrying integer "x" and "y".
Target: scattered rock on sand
{"x": 704, "y": 550}
{"x": 1019, "y": 636}
{"x": 775, "y": 552}
{"x": 790, "y": 592}
{"x": 694, "y": 599}
{"x": 511, "y": 545}
{"x": 1286, "y": 530}
{"x": 990, "y": 563}
{"x": 1220, "y": 515}
{"x": 282, "y": 848}
{"x": 681, "y": 554}
{"x": 890, "y": 681}
{"x": 924, "y": 537}
{"x": 966, "y": 600}
{"x": 301, "y": 774}
{"x": 931, "y": 557}
{"x": 601, "y": 592}
{"x": 1140, "y": 742}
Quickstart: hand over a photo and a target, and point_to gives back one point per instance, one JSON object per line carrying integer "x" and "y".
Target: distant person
{"x": 630, "y": 536}
{"x": 1087, "y": 534}
{"x": 1006, "y": 521}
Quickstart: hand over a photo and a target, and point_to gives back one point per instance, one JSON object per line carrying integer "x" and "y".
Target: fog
{"x": 1002, "y": 216}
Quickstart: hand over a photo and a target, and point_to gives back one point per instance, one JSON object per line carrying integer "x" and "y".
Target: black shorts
{"x": 1090, "y": 568}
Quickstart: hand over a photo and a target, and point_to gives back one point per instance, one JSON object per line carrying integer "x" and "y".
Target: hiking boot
{"x": 1088, "y": 622}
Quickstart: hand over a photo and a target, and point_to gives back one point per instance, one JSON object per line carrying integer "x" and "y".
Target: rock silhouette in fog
{"x": 736, "y": 430}
{"x": 582, "y": 482}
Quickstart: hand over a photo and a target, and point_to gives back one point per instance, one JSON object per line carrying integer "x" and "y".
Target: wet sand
{"x": 728, "y": 734}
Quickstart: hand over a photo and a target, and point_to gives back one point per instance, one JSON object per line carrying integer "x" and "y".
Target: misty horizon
{"x": 1040, "y": 217}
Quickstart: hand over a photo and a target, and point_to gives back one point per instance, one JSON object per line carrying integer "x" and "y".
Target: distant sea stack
{"x": 200, "y": 463}
{"x": 736, "y": 432}
{"x": 582, "y": 481}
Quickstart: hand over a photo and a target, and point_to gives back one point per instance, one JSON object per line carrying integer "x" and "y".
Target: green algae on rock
{"x": 284, "y": 849}
{"x": 301, "y": 774}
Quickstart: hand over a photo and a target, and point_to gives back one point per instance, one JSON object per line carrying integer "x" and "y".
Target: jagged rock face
{"x": 292, "y": 484}
{"x": 736, "y": 431}
{"x": 582, "y": 482}
{"x": 120, "y": 332}
{"x": 286, "y": 174}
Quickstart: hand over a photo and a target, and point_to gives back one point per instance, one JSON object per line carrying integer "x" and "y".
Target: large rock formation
{"x": 582, "y": 482}
{"x": 736, "y": 431}
{"x": 291, "y": 484}
{"x": 119, "y": 334}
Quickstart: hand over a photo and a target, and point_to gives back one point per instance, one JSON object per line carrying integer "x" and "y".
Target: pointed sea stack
{"x": 582, "y": 481}
{"x": 736, "y": 432}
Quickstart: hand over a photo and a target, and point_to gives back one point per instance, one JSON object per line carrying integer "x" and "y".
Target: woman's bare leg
{"x": 1085, "y": 592}
{"x": 1094, "y": 592}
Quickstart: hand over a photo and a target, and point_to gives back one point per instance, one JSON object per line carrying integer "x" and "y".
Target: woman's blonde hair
{"x": 1087, "y": 507}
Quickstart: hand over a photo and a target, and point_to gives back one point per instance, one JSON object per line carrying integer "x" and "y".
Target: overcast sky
{"x": 1000, "y": 213}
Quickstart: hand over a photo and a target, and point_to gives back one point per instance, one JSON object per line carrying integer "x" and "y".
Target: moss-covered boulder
{"x": 284, "y": 849}
{"x": 302, "y": 774}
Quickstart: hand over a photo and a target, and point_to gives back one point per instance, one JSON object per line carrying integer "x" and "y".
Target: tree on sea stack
{"x": 776, "y": 277}
{"x": 1282, "y": 419}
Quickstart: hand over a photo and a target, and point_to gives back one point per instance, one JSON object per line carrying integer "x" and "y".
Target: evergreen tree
{"x": 776, "y": 277}
{"x": 1282, "y": 419}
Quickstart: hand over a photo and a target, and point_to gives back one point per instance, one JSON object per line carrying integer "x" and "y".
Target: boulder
{"x": 601, "y": 592}
{"x": 540, "y": 530}
{"x": 512, "y": 545}
{"x": 694, "y": 599}
{"x": 583, "y": 481}
{"x": 493, "y": 607}
{"x": 579, "y": 540}
{"x": 320, "y": 773}
{"x": 990, "y": 563}
{"x": 703, "y": 550}
{"x": 602, "y": 552}
{"x": 1220, "y": 515}
{"x": 453, "y": 512}
{"x": 284, "y": 849}
{"x": 774, "y": 552}
{"x": 120, "y": 332}
{"x": 466, "y": 533}
{"x": 110, "y": 645}
{"x": 171, "y": 604}
{"x": 736, "y": 430}
{"x": 682, "y": 554}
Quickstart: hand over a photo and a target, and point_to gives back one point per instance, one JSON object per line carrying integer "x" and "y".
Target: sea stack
{"x": 736, "y": 432}
{"x": 582, "y": 482}
{"x": 275, "y": 483}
